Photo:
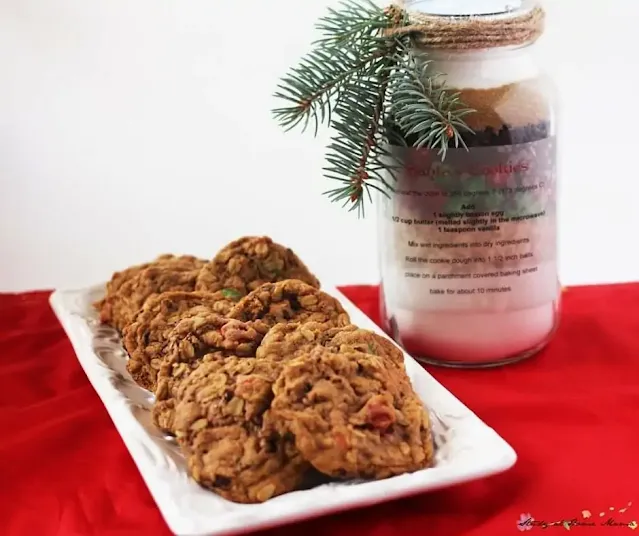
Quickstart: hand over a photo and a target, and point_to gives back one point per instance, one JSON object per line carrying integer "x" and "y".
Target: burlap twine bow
{"x": 468, "y": 32}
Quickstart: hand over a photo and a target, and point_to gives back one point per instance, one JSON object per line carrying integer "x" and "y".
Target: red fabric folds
{"x": 571, "y": 413}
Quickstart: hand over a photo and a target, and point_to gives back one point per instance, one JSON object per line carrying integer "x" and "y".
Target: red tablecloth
{"x": 571, "y": 413}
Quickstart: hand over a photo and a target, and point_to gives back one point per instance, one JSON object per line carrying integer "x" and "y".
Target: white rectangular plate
{"x": 467, "y": 449}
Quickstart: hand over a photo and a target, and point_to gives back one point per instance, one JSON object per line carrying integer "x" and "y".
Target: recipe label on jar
{"x": 477, "y": 229}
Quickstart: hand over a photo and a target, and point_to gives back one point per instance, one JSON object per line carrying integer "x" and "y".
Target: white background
{"x": 134, "y": 127}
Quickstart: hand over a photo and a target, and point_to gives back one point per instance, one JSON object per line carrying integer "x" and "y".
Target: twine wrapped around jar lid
{"x": 464, "y": 32}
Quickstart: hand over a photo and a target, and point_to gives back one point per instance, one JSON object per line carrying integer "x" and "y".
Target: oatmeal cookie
{"x": 146, "y": 338}
{"x": 351, "y": 415}
{"x": 354, "y": 339}
{"x": 284, "y": 342}
{"x": 121, "y": 277}
{"x": 194, "y": 341}
{"x": 247, "y": 263}
{"x": 290, "y": 301}
{"x": 174, "y": 274}
{"x": 218, "y": 422}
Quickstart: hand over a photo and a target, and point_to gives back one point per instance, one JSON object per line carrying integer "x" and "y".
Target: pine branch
{"x": 373, "y": 91}
{"x": 351, "y": 42}
{"x": 423, "y": 109}
{"x": 362, "y": 111}
{"x": 313, "y": 85}
{"x": 354, "y": 22}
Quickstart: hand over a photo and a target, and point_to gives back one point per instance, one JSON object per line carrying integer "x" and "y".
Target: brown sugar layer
{"x": 515, "y": 105}
{"x": 505, "y": 115}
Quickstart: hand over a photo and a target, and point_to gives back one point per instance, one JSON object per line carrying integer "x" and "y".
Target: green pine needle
{"x": 422, "y": 108}
{"x": 373, "y": 91}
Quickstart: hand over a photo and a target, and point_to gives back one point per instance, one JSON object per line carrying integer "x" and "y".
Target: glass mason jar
{"x": 468, "y": 243}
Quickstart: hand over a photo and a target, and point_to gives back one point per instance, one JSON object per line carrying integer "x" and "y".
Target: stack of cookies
{"x": 260, "y": 375}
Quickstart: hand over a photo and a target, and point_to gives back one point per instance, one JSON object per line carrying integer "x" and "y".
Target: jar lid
{"x": 465, "y": 7}
{"x": 472, "y": 24}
